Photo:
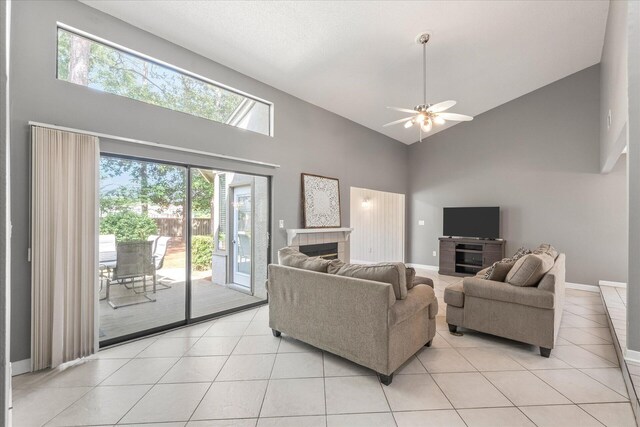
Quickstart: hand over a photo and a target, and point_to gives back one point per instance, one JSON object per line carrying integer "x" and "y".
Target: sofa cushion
{"x": 528, "y": 270}
{"x": 411, "y": 275}
{"x": 499, "y": 291}
{"x": 391, "y": 272}
{"x": 454, "y": 295}
{"x": 290, "y": 257}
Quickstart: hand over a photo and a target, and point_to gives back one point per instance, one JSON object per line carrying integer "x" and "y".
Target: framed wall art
{"x": 320, "y": 201}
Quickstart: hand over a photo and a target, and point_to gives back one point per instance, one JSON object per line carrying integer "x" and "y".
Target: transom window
{"x": 85, "y": 61}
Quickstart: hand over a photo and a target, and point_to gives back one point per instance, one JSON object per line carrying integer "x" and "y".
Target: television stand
{"x": 466, "y": 256}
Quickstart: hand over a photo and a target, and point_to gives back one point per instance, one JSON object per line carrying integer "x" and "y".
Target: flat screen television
{"x": 480, "y": 222}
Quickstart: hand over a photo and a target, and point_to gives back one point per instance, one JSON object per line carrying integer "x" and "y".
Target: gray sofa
{"x": 360, "y": 320}
{"x": 530, "y": 314}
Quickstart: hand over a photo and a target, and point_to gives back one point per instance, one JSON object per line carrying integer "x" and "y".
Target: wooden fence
{"x": 174, "y": 227}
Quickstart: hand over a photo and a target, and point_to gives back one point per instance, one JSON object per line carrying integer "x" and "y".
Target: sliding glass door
{"x": 177, "y": 244}
{"x": 231, "y": 231}
{"x": 142, "y": 246}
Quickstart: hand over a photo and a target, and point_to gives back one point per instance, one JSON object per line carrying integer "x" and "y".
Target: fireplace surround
{"x": 313, "y": 241}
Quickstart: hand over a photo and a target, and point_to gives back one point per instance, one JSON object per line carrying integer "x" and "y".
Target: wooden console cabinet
{"x": 465, "y": 257}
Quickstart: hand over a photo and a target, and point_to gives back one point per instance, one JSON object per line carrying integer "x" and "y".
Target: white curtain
{"x": 64, "y": 254}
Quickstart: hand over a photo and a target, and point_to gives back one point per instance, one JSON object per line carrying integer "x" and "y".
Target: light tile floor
{"x": 232, "y": 372}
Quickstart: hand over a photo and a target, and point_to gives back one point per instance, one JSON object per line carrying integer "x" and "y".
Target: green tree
{"x": 201, "y": 193}
{"x": 92, "y": 64}
{"x": 128, "y": 226}
{"x": 129, "y": 183}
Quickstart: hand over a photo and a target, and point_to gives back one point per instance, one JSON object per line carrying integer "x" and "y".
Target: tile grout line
{"x": 567, "y": 397}
{"x": 215, "y": 378}
{"x": 91, "y": 388}
{"x": 441, "y": 391}
{"x": 266, "y": 390}
{"x": 68, "y": 406}
{"x": 605, "y": 385}
{"x": 153, "y": 385}
{"x": 324, "y": 389}
{"x": 386, "y": 398}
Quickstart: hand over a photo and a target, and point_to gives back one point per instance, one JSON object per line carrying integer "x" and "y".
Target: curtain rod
{"x": 154, "y": 144}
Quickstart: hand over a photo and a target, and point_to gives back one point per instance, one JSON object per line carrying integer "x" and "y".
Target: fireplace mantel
{"x": 293, "y": 232}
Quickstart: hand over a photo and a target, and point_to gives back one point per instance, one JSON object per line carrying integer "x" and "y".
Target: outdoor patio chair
{"x": 134, "y": 261}
{"x": 160, "y": 250}
{"x": 160, "y": 244}
{"x": 107, "y": 250}
{"x": 106, "y": 257}
{"x": 153, "y": 238}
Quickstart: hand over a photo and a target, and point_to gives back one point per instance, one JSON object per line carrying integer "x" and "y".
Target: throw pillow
{"x": 499, "y": 270}
{"x": 334, "y": 266}
{"x": 528, "y": 270}
{"x": 546, "y": 248}
{"x": 411, "y": 275}
{"x": 391, "y": 272}
{"x": 290, "y": 257}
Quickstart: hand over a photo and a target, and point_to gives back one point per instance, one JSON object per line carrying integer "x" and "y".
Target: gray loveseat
{"x": 530, "y": 314}
{"x": 358, "y": 319}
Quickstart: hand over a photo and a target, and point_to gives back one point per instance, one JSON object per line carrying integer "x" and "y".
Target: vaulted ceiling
{"x": 354, "y": 58}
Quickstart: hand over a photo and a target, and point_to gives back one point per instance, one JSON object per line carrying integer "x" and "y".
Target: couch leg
{"x": 429, "y": 343}
{"x": 452, "y": 328}
{"x": 545, "y": 352}
{"x": 386, "y": 379}
{"x": 276, "y": 333}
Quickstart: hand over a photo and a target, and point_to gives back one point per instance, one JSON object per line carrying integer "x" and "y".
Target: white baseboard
{"x": 424, "y": 266}
{"x": 613, "y": 284}
{"x": 581, "y": 287}
{"x": 20, "y": 367}
{"x": 632, "y": 356}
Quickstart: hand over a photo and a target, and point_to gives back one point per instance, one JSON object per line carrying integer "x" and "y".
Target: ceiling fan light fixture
{"x": 427, "y": 115}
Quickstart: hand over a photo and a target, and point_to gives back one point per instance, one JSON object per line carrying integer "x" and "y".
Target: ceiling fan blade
{"x": 455, "y": 117}
{"x": 441, "y": 106}
{"x": 399, "y": 121}
{"x": 404, "y": 110}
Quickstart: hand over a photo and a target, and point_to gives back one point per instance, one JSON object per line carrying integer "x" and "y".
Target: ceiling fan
{"x": 427, "y": 115}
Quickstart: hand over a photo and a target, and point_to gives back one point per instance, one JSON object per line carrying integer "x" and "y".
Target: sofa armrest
{"x": 420, "y": 297}
{"x": 500, "y": 291}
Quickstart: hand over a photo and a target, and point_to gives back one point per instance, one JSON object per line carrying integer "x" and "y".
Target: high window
{"x": 113, "y": 69}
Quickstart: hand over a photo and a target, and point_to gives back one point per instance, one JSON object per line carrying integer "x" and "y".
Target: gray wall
{"x": 5, "y": 257}
{"x": 538, "y": 158}
{"x": 307, "y": 138}
{"x": 613, "y": 86}
{"x": 633, "y": 287}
